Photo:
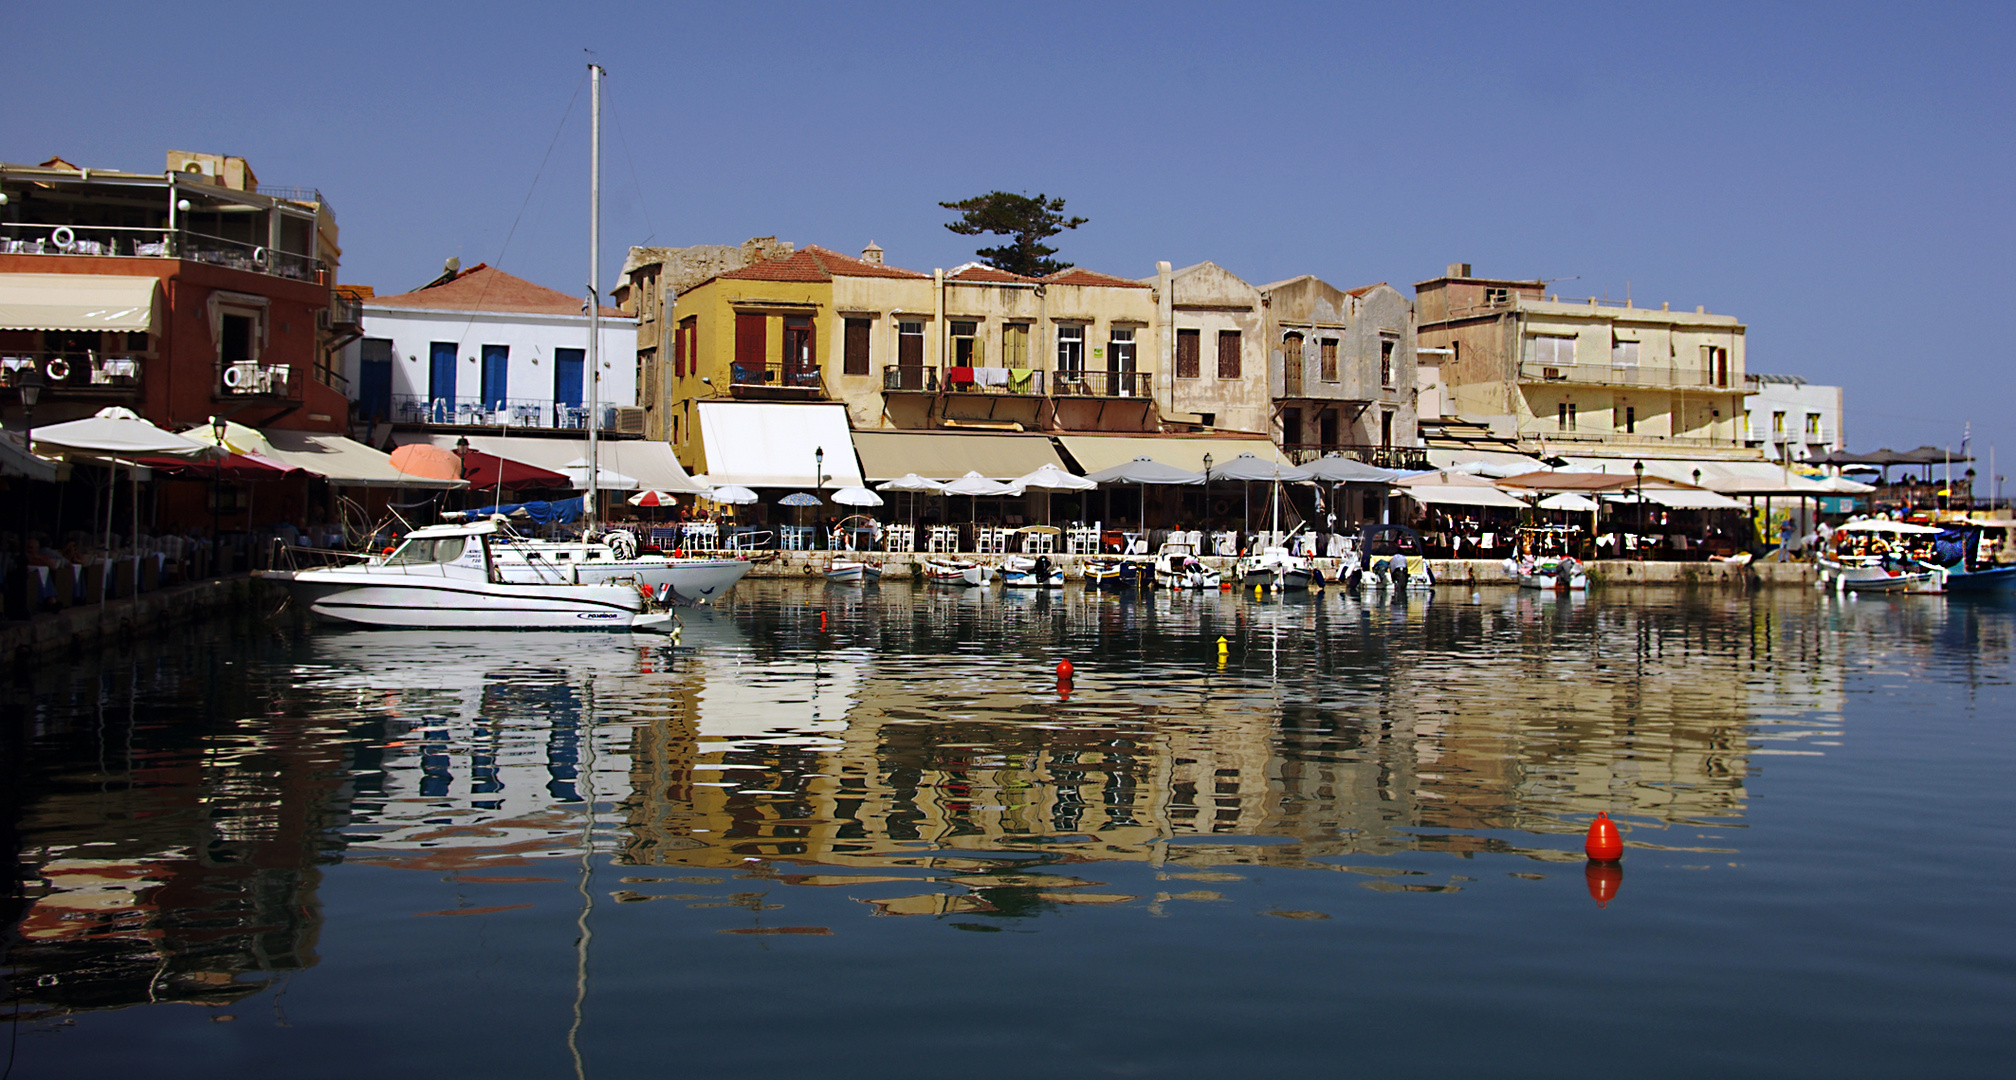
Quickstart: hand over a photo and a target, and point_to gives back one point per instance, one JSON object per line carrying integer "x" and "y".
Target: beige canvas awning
{"x": 345, "y": 462}
{"x": 1098, "y": 452}
{"x": 78, "y": 302}
{"x": 886, "y": 455}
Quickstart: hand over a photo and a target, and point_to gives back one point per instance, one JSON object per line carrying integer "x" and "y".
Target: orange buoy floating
{"x": 1603, "y": 844}
{"x": 1064, "y": 671}
{"x": 1605, "y": 878}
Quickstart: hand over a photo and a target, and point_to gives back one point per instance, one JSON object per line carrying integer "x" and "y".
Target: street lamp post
{"x": 1703, "y": 513}
{"x": 462, "y": 456}
{"x": 1207, "y": 495}
{"x": 30, "y": 385}
{"x": 818, "y": 477}
{"x": 1638, "y": 467}
{"x": 217, "y": 429}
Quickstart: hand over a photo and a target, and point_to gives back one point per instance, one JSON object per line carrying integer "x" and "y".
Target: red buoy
{"x": 1604, "y": 878}
{"x": 1603, "y": 845}
{"x": 1064, "y": 671}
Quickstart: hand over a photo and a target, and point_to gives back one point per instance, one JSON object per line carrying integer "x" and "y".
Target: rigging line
{"x": 609, "y": 102}
{"x": 513, "y": 231}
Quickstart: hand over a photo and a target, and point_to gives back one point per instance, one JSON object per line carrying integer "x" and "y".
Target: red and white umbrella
{"x": 651, "y": 498}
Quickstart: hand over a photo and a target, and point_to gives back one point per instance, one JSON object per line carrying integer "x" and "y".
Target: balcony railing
{"x": 1384, "y": 457}
{"x": 75, "y": 371}
{"x": 910, "y": 377}
{"x": 776, "y": 376}
{"x": 1618, "y": 375}
{"x": 476, "y": 412}
{"x": 1532, "y": 439}
{"x": 134, "y": 242}
{"x": 255, "y": 380}
{"x": 1125, "y": 384}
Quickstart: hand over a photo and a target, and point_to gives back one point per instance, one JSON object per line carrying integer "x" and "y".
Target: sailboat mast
{"x": 594, "y": 287}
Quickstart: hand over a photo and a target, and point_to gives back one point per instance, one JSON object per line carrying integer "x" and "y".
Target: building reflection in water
{"x": 173, "y": 852}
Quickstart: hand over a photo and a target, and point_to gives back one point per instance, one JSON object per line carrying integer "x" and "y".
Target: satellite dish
{"x": 452, "y": 266}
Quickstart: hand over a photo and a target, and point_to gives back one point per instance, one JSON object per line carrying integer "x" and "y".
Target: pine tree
{"x": 1030, "y": 220}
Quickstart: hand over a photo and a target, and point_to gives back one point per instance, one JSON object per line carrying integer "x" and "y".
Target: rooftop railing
{"x": 30, "y": 238}
{"x": 1410, "y": 458}
{"x": 479, "y": 412}
{"x": 1533, "y": 371}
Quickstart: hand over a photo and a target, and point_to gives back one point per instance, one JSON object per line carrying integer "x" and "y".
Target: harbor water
{"x": 854, "y": 831}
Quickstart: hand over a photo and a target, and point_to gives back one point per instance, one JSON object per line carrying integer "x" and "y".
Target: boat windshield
{"x": 422, "y": 552}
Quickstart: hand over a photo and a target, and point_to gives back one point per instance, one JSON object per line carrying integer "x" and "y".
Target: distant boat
{"x": 941, "y": 571}
{"x": 852, "y": 572}
{"x": 1178, "y": 567}
{"x": 1022, "y": 572}
{"x": 1390, "y": 556}
{"x": 1880, "y": 555}
{"x": 447, "y": 577}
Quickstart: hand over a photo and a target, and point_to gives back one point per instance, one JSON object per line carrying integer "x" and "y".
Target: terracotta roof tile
{"x": 1080, "y": 276}
{"x": 816, "y": 263}
{"x": 485, "y": 288}
{"x": 1362, "y": 290}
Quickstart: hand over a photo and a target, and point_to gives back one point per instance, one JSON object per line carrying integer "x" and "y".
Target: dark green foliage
{"x": 1029, "y": 219}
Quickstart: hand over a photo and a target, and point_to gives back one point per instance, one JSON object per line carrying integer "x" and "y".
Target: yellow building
{"x": 971, "y": 348}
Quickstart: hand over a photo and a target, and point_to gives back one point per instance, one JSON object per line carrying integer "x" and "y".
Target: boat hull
{"x": 1998, "y": 579}
{"x": 446, "y": 603}
{"x": 1852, "y": 578}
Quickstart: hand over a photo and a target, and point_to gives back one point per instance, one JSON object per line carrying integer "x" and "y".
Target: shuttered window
{"x": 1329, "y": 360}
{"x": 1228, "y": 354}
{"x": 752, "y": 346}
{"x": 856, "y": 360}
{"x": 1188, "y": 348}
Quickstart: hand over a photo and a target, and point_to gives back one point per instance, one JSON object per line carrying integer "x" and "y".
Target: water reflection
{"x": 177, "y": 807}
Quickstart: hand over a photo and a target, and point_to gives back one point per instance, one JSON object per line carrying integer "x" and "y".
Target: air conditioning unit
{"x": 624, "y": 420}
{"x": 1550, "y": 373}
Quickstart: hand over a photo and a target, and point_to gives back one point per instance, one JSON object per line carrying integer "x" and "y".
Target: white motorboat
{"x": 852, "y": 572}
{"x": 446, "y": 577}
{"x": 1178, "y": 567}
{"x": 1022, "y": 572}
{"x": 612, "y": 557}
{"x": 1276, "y": 567}
{"x": 942, "y": 571}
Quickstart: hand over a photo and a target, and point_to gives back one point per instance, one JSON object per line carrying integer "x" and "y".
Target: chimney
{"x": 1459, "y": 269}
{"x": 872, "y": 253}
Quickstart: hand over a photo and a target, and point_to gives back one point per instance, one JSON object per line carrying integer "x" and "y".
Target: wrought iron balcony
{"x": 1088, "y": 383}
{"x": 1410, "y": 458}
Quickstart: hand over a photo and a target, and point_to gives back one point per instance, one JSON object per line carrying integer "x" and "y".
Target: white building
{"x": 481, "y": 347}
{"x": 1786, "y": 411}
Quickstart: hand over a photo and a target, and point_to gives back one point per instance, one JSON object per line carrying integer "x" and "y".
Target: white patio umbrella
{"x": 856, "y": 496}
{"x": 1567, "y": 500}
{"x": 974, "y": 485}
{"x": 1050, "y": 478}
{"x": 107, "y": 436}
{"x": 732, "y": 495}
{"x": 913, "y": 484}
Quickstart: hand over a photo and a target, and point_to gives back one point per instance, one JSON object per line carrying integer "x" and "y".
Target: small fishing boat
{"x": 1178, "y": 567}
{"x": 446, "y": 577}
{"x": 1880, "y": 555}
{"x": 1390, "y": 557}
{"x": 1549, "y": 572}
{"x": 852, "y": 572}
{"x": 1113, "y": 573}
{"x": 1276, "y": 567}
{"x": 941, "y": 571}
{"x": 1975, "y": 554}
{"x": 1023, "y": 572}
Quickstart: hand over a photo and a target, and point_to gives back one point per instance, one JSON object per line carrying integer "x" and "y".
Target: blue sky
{"x": 1838, "y": 176}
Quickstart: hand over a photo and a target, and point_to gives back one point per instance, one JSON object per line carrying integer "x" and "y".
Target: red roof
{"x": 979, "y": 272}
{"x": 1080, "y": 276}
{"x": 815, "y": 263}
{"x": 485, "y": 288}
{"x": 1362, "y": 290}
